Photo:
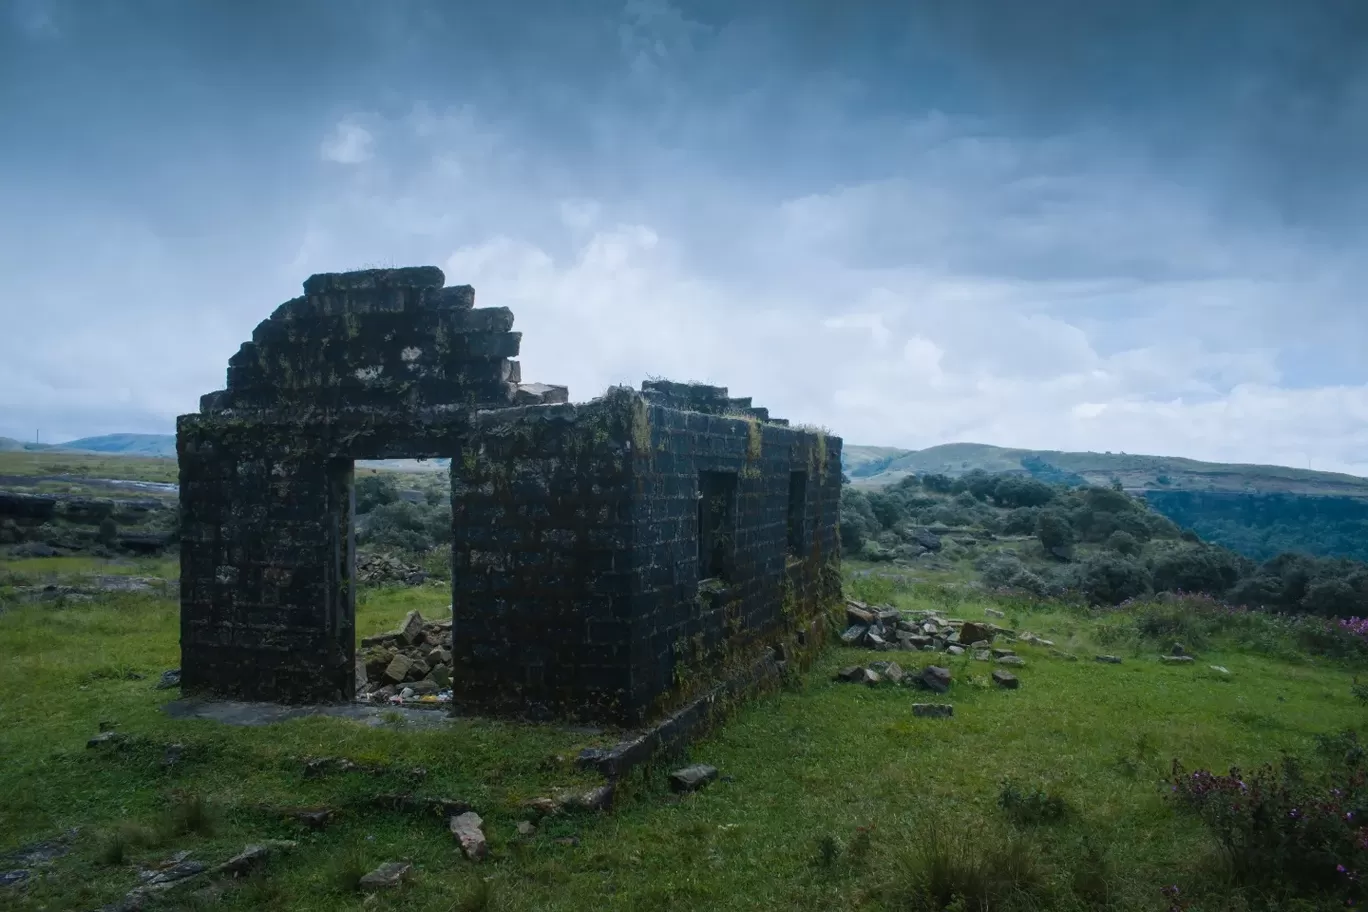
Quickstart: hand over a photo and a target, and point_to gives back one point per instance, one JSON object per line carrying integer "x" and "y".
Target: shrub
{"x": 1278, "y": 829}
{"x": 1017, "y": 491}
{"x": 1202, "y": 569}
{"x": 1054, "y": 530}
{"x": 1123, "y": 542}
{"x": 375, "y": 491}
{"x": 1109, "y": 579}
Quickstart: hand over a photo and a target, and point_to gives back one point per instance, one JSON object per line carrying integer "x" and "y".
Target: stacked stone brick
{"x": 589, "y": 580}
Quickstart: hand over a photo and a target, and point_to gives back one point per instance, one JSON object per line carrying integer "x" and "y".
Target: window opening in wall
{"x": 716, "y": 524}
{"x": 797, "y": 511}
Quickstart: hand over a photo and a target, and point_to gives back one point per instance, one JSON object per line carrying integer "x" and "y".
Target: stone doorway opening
{"x": 400, "y": 547}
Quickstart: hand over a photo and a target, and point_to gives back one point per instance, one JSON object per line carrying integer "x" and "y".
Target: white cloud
{"x": 349, "y": 144}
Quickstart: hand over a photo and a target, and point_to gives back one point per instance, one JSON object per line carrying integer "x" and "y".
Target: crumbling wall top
{"x": 389, "y": 339}
{"x": 698, "y": 397}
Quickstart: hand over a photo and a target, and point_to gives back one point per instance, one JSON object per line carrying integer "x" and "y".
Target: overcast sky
{"x": 1068, "y": 224}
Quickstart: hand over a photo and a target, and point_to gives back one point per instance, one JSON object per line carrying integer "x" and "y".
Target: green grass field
{"x": 834, "y": 796}
{"x": 92, "y": 465}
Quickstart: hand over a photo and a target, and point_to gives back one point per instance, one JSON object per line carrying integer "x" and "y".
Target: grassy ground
{"x": 835, "y": 796}
{"x": 131, "y": 468}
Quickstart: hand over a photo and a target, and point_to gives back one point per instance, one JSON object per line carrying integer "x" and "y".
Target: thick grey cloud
{"x": 1061, "y": 224}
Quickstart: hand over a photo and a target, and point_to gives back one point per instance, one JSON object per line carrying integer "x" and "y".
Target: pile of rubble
{"x": 925, "y": 631}
{"x": 376, "y": 569}
{"x": 888, "y": 629}
{"x": 408, "y": 665}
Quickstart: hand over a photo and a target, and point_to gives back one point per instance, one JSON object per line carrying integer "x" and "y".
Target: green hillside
{"x": 879, "y": 466}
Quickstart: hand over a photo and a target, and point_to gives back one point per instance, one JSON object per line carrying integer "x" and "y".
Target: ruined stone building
{"x": 607, "y": 556}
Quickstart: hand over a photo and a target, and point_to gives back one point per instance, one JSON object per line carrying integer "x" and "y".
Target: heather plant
{"x": 1281, "y": 830}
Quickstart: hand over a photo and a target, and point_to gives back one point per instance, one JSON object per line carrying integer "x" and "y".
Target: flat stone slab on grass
{"x": 386, "y": 877}
{"x": 1006, "y": 679}
{"x": 1175, "y": 659}
{"x": 1109, "y": 660}
{"x": 692, "y": 778}
{"x": 231, "y": 712}
{"x": 933, "y": 710}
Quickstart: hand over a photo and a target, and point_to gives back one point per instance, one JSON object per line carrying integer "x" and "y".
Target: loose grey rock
{"x": 105, "y": 737}
{"x": 1109, "y": 660}
{"x": 526, "y": 828}
{"x": 1000, "y": 653}
{"x": 386, "y": 877}
{"x": 933, "y": 710}
{"x": 1220, "y": 669}
{"x": 1011, "y": 660}
{"x": 252, "y": 856}
{"x": 955, "y": 650}
{"x": 971, "y": 632}
{"x": 1006, "y": 679}
{"x": 1066, "y": 656}
{"x": 850, "y": 673}
{"x": 993, "y": 613}
{"x": 1175, "y": 659}
{"x": 890, "y": 670}
{"x": 411, "y": 631}
{"x": 936, "y": 678}
{"x": 398, "y": 669}
{"x": 853, "y": 634}
{"x": 169, "y": 679}
{"x": 1178, "y": 650}
{"x": 469, "y": 833}
{"x": 859, "y": 615}
{"x": 982, "y": 655}
{"x": 692, "y": 778}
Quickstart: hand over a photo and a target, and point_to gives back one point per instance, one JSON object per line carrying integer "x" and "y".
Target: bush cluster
{"x": 1132, "y": 551}
{"x": 1282, "y": 830}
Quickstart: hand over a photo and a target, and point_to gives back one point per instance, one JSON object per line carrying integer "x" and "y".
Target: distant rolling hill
{"x": 879, "y": 466}
{"x": 125, "y": 444}
{"x": 109, "y": 444}
{"x": 1257, "y": 510}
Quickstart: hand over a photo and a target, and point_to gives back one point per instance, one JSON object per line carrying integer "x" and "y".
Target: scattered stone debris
{"x": 16, "y": 866}
{"x": 1065, "y": 656}
{"x": 1178, "y": 650}
{"x": 933, "y": 710}
{"x": 313, "y": 818}
{"x": 169, "y": 679}
{"x": 1006, "y": 680}
{"x": 1015, "y": 660}
{"x": 936, "y": 678}
{"x": 1109, "y": 659}
{"x": 469, "y": 833}
{"x": 315, "y": 767}
{"x": 692, "y": 778}
{"x": 1175, "y": 659}
{"x": 993, "y": 613}
{"x": 176, "y": 871}
{"x": 106, "y": 737}
{"x": 377, "y": 569}
{"x": 527, "y": 828}
{"x": 408, "y": 666}
{"x": 923, "y": 631}
{"x": 389, "y": 875}
{"x": 251, "y": 857}
{"x": 1219, "y": 669}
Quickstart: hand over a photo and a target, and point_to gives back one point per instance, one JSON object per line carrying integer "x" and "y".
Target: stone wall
{"x": 689, "y": 621}
{"x": 542, "y": 570}
{"x": 610, "y": 559}
{"x": 369, "y": 365}
{"x": 580, "y": 588}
